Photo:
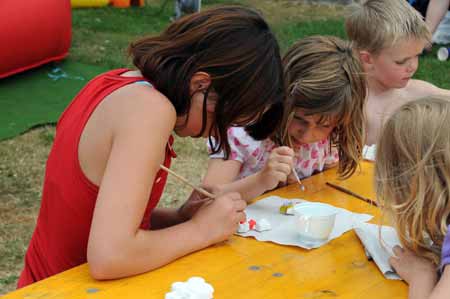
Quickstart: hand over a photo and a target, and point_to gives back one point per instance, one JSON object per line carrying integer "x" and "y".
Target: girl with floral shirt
{"x": 323, "y": 125}
{"x": 309, "y": 158}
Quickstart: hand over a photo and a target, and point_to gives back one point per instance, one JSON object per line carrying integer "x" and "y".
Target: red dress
{"x": 59, "y": 241}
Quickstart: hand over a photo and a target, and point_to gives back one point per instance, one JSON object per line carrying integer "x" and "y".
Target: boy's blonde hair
{"x": 324, "y": 76}
{"x": 412, "y": 174}
{"x": 377, "y": 24}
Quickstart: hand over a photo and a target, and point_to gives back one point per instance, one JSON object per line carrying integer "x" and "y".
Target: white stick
{"x": 302, "y": 187}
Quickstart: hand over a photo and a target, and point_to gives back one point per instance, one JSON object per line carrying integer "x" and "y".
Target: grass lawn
{"x": 100, "y": 37}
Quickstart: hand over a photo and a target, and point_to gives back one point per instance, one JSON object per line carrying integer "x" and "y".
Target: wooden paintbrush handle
{"x": 182, "y": 179}
{"x": 342, "y": 189}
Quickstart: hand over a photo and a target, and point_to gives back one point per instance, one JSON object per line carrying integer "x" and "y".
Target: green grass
{"x": 433, "y": 70}
{"x": 288, "y": 33}
{"x": 100, "y": 37}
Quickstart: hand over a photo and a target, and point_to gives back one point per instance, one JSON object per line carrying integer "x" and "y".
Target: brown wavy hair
{"x": 324, "y": 76}
{"x": 412, "y": 174}
{"x": 236, "y": 47}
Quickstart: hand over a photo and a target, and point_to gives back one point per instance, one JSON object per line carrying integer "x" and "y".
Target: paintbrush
{"x": 182, "y": 179}
{"x": 300, "y": 184}
{"x": 279, "y": 142}
{"x": 342, "y": 189}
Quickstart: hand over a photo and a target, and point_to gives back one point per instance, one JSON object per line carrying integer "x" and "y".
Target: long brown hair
{"x": 412, "y": 174}
{"x": 324, "y": 76}
{"x": 236, "y": 47}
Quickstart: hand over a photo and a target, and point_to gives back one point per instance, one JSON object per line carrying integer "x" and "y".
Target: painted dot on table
{"x": 92, "y": 290}
{"x": 254, "y": 268}
{"x": 277, "y": 274}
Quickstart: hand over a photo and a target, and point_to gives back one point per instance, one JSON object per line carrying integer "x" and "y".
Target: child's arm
{"x": 165, "y": 217}
{"x": 436, "y": 11}
{"x": 442, "y": 289}
{"x": 421, "y": 88}
{"x": 223, "y": 173}
{"x": 417, "y": 271}
{"x": 117, "y": 247}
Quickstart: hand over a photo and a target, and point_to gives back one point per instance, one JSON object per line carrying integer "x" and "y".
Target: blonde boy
{"x": 389, "y": 35}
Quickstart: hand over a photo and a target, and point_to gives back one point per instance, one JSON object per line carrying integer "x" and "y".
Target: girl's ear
{"x": 200, "y": 82}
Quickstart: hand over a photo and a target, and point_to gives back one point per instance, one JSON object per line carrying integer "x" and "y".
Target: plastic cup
{"x": 315, "y": 221}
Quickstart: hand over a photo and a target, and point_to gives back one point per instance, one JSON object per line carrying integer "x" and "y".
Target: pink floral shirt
{"x": 309, "y": 158}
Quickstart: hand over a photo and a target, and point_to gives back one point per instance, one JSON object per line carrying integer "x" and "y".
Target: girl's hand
{"x": 187, "y": 210}
{"x": 291, "y": 179}
{"x": 218, "y": 219}
{"x": 278, "y": 167}
{"x": 412, "y": 268}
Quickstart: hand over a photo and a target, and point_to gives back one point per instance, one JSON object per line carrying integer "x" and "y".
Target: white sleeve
{"x": 239, "y": 142}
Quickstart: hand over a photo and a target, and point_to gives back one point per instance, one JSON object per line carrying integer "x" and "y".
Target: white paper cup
{"x": 443, "y": 53}
{"x": 315, "y": 221}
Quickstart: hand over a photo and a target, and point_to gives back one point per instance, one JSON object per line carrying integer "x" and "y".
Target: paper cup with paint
{"x": 443, "y": 53}
{"x": 315, "y": 221}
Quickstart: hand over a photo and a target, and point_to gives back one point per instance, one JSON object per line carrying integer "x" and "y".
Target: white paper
{"x": 369, "y": 152}
{"x": 380, "y": 251}
{"x": 284, "y": 228}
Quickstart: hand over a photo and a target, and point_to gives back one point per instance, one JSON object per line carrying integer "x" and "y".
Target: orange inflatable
{"x": 127, "y": 3}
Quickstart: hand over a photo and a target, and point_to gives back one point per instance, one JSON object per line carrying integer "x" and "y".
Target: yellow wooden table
{"x": 246, "y": 268}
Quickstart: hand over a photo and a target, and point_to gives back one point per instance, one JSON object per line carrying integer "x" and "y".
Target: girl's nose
{"x": 308, "y": 135}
